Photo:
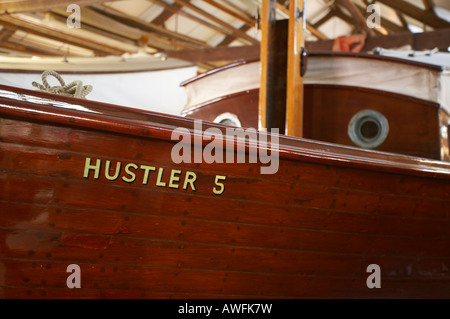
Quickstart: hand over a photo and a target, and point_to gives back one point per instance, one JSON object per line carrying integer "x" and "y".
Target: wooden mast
{"x": 294, "y": 101}
{"x": 267, "y": 20}
{"x": 281, "y": 89}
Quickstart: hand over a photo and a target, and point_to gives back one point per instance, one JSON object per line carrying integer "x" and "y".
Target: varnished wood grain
{"x": 294, "y": 82}
{"x": 151, "y": 280}
{"x": 328, "y": 110}
{"x": 413, "y": 124}
{"x": 243, "y": 104}
{"x": 268, "y": 21}
{"x": 308, "y": 231}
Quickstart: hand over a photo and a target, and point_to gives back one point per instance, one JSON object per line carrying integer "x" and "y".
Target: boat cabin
{"x": 393, "y": 102}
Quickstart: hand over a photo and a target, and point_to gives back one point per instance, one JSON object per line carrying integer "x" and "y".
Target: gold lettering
{"x": 131, "y": 173}
{"x": 190, "y": 178}
{"x": 132, "y": 177}
{"x": 88, "y": 167}
{"x": 147, "y": 170}
{"x": 158, "y": 181}
{"x": 222, "y": 187}
{"x": 116, "y": 173}
{"x": 174, "y": 178}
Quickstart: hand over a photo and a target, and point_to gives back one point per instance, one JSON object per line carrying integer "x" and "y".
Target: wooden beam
{"x": 425, "y": 41}
{"x": 357, "y": 16}
{"x": 15, "y": 48}
{"x": 97, "y": 34}
{"x": 402, "y": 19}
{"x": 294, "y": 90}
{"x": 436, "y": 39}
{"x": 385, "y": 23}
{"x": 231, "y": 37}
{"x": 268, "y": 18}
{"x": 167, "y": 13}
{"x": 45, "y": 30}
{"x": 429, "y": 4}
{"x": 16, "y": 6}
{"x": 238, "y": 9}
{"x": 39, "y": 43}
{"x": 382, "y": 30}
{"x": 247, "y": 52}
{"x": 314, "y": 31}
{"x": 209, "y": 16}
{"x": 343, "y": 16}
{"x": 176, "y": 8}
{"x": 149, "y": 27}
{"x": 356, "y": 27}
{"x": 275, "y": 88}
{"x": 5, "y": 34}
{"x": 274, "y": 70}
{"x": 425, "y": 16}
{"x": 245, "y": 18}
{"x": 324, "y": 19}
{"x": 103, "y": 22}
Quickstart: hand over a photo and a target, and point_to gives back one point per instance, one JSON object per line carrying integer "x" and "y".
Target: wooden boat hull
{"x": 308, "y": 231}
{"x": 328, "y": 110}
{"x": 337, "y": 88}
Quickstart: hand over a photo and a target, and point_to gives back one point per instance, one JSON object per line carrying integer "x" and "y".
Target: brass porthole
{"x": 228, "y": 119}
{"x": 368, "y": 129}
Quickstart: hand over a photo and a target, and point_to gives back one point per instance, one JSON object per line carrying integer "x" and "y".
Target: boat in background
{"x": 408, "y": 91}
{"x": 145, "y": 81}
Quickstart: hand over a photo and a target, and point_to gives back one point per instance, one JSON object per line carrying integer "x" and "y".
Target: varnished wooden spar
{"x": 268, "y": 57}
{"x": 308, "y": 231}
{"x": 294, "y": 87}
{"x": 329, "y": 108}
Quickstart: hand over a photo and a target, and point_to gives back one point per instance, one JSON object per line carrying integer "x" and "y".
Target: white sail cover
{"x": 381, "y": 74}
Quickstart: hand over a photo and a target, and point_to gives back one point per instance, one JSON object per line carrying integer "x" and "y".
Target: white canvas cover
{"x": 139, "y": 82}
{"x": 385, "y": 75}
{"x": 232, "y": 80}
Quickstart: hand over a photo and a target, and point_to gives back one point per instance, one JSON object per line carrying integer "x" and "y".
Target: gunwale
{"x": 195, "y": 239}
{"x": 44, "y": 107}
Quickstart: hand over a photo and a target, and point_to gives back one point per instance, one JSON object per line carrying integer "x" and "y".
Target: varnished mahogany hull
{"x": 414, "y": 127}
{"x": 308, "y": 231}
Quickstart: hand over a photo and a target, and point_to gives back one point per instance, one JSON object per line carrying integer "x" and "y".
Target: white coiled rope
{"x": 73, "y": 89}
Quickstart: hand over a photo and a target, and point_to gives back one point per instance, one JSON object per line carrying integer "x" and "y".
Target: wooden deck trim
{"x": 98, "y": 72}
{"x": 418, "y": 64}
{"x": 128, "y": 121}
{"x": 313, "y": 54}
{"x": 194, "y": 108}
{"x": 223, "y": 68}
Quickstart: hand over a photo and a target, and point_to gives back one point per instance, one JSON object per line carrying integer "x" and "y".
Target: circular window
{"x": 228, "y": 119}
{"x": 368, "y": 129}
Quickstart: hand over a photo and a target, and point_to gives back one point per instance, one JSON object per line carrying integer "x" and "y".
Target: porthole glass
{"x": 228, "y": 119}
{"x": 368, "y": 129}
{"x": 227, "y": 122}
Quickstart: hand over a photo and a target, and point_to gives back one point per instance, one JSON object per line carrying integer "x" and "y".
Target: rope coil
{"x": 73, "y": 89}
